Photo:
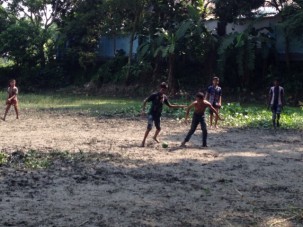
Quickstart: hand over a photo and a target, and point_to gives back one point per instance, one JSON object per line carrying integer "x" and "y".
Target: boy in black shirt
{"x": 154, "y": 114}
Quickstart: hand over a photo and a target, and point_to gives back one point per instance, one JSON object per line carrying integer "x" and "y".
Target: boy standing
{"x": 198, "y": 117}
{"x": 12, "y": 99}
{"x": 276, "y": 102}
{"x": 214, "y": 96}
{"x": 154, "y": 115}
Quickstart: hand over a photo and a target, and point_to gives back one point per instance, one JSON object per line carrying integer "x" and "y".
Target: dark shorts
{"x": 153, "y": 119}
{"x": 276, "y": 109}
{"x": 215, "y": 106}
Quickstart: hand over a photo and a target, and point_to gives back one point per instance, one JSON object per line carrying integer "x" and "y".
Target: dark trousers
{"x": 197, "y": 118}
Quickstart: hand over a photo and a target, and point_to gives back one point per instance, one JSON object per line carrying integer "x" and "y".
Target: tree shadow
{"x": 237, "y": 182}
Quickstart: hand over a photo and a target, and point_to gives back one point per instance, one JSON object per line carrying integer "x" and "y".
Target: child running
{"x": 276, "y": 102}
{"x": 154, "y": 115}
{"x": 198, "y": 117}
{"x": 214, "y": 96}
{"x": 12, "y": 99}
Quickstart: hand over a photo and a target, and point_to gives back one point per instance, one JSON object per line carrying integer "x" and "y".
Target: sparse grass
{"x": 3, "y": 158}
{"x": 235, "y": 114}
{"x": 91, "y": 104}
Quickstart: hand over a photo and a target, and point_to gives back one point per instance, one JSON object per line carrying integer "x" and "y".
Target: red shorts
{"x": 13, "y": 102}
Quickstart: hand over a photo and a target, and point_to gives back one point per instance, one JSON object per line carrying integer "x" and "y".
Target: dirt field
{"x": 246, "y": 177}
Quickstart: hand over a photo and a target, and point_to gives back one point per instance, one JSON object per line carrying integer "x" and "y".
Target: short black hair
{"x": 200, "y": 95}
{"x": 163, "y": 85}
{"x": 277, "y": 79}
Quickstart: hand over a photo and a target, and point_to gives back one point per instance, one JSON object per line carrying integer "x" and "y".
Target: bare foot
{"x": 3, "y": 119}
{"x": 183, "y": 144}
{"x": 155, "y": 139}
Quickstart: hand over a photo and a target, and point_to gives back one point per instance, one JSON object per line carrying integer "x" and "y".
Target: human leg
{"x": 274, "y": 115}
{"x": 8, "y": 106}
{"x": 149, "y": 128}
{"x": 193, "y": 127}
{"x": 279, "y": 110}
{"x": 216, "y": 117}
{"x": 211, "y": 116}
{"x": 16, "y": 111}
{"x": 157, "y": 121}
{"x": 204, "y": 131}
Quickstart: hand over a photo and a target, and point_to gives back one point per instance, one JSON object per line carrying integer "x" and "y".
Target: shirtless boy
{"x": 198, "y": 118}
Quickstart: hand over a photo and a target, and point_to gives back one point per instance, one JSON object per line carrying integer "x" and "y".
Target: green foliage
{"x": 4, "y": 62}
{"x": 237, "y": 115}
{"x": 111, "y": 71}
{"x": 3, "y": 158}
{"x": 35, "y": 160}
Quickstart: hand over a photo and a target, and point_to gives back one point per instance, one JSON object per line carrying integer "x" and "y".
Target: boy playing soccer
{"x": 276, "y": 102}
{"x": 154, "y": 115}
{"x": 214, "y": 96}
{"x": 198, "y": 117}
{"x": 12, "y": 91}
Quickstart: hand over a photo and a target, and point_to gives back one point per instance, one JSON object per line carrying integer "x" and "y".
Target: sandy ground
{"x": 246, "y": 177}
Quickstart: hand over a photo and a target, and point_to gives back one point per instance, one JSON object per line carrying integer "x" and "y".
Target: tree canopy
{"x": 57, "y": 43}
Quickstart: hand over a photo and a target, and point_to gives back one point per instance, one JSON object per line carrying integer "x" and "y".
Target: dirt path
{"x": 246, "y": 177}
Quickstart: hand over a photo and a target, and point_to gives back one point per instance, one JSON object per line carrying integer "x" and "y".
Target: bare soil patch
{"x": 246, "y": 177}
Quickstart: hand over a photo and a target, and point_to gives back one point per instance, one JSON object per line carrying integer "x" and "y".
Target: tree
{"x": 32, "y": 20}
{"x": 228, "y": 10}
{"x": 186, "y": 37}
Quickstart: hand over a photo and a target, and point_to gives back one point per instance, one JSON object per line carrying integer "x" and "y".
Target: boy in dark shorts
{"x": 276, "y": 102}
{"x": 157, "y": 100}
{"x": 214, "y": 96}
{"x": 12, "y": 99}
{"x": 198, "y": 118}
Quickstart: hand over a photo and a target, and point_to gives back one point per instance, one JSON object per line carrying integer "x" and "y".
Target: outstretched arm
{"x": 174, "y": 106}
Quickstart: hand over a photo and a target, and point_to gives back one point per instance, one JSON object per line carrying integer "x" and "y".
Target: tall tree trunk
{"x": 287, "y": 52}
{"x": 131, "y": 47}
{"x": 171, "y": 69}
{"x": 221, "y": 28}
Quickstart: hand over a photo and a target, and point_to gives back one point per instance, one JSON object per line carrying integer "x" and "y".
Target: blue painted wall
{"x": 106, "y": 47}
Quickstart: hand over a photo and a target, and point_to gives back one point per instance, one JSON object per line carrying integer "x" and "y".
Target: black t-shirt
{"x": 157, "y": 100}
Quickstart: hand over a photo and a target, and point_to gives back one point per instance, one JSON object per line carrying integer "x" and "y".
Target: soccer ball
{"x": 164, "y": 145}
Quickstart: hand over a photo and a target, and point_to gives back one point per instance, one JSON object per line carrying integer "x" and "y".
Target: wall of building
{"x": 109, "y": 46}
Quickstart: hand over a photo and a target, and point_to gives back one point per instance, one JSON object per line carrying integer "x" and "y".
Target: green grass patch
{"x": 91, "y": 104}
{"x": 235, "y": 114}
{"x": 3, "y": 158}
{"x": 36, "y": 160}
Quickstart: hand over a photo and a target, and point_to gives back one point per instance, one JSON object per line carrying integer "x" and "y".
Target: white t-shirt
{"x": 273, "y": 95}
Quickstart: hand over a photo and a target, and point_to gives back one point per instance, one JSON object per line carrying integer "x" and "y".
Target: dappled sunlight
{"x": 79, "y": 163}
{"x": 279, "y": 222}
{"x": 244, "y": 154}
